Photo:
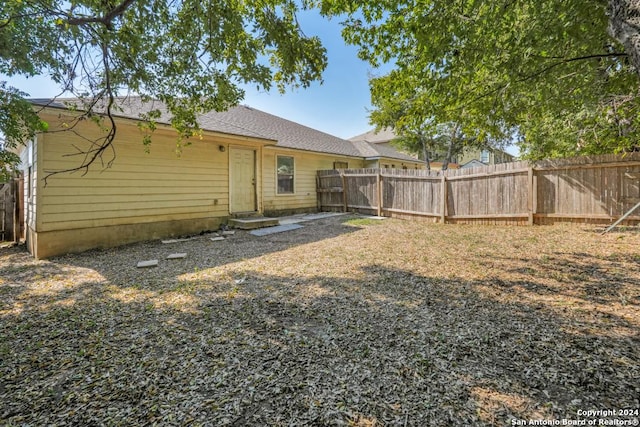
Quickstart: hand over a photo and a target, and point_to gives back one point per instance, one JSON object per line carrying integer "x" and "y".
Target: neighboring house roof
{"x": 372, "y": 151}
{"x": 247, "y": 121}
{"x": 372, "y": 142}
{"x": 473, "y": 164}
{"x": 375, "y": 137}
{"x": 367, "y": 150}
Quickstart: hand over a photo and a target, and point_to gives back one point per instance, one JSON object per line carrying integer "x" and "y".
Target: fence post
{"x": 318, "y": 192}
{"x": 344, "y": 191}
{"x": 443, "y": 201}
{"x": 535, "y": 195}
{"x": 531, "y": 190}
{"x": 379, "y": 185}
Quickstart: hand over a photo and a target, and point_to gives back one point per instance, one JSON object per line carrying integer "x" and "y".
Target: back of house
{"x": 245, "y": 162}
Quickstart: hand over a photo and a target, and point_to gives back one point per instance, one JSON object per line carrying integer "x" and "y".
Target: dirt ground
{"x": 346, "y": 321}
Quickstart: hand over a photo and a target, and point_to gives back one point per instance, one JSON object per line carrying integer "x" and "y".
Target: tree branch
{"x": 12, "y": 18}
{"x": 105, "y": 20}
{"x": 566, "y": 61}
{"x": 99, "y": 146}
{"x": 544, "y": 70}
{"x": 7, "y": 22}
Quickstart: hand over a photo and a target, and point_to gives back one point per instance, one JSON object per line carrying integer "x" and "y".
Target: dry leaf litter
{"x": 343, "y": 322}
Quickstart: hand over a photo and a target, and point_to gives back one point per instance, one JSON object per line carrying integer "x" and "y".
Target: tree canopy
{"x": 191, "y": 54}
{"x": 560, "y": 74}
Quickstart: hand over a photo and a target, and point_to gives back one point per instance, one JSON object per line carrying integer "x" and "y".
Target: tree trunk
{"x": 453, "y": 139}
{"x": 425, "y": 153}
{"x": 445, "y": 162}
{"x": 624, "y": 26}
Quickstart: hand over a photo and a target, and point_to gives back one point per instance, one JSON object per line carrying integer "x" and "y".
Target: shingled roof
{"x": 375, "y": 137}
{"x": 288, "y": 134}
{"x": 132, "y": 107}
{"x": 246, "y": 121}
{"x": 390, "y": 152}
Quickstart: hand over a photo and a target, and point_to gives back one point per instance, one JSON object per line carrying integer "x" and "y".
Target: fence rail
{"x": 582, "y": 189}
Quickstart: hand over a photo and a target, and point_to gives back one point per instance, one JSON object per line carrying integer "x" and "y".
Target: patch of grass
{"x": 361, "y": 222}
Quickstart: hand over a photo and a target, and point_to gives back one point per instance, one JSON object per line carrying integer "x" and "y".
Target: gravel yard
{"x": 346, "y": 321}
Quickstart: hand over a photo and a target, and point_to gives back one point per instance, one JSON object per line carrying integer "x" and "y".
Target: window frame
{"x": 293, "y": 176}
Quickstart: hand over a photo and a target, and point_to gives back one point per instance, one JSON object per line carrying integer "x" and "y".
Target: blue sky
{"x": 337, "y": 106}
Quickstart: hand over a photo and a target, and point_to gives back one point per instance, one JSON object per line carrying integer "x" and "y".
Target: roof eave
{"x": 306, "y": 150}
{"x": 263, "y": 140}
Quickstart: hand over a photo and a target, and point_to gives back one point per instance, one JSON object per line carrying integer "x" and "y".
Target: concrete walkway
{"x": 288, "y": 223}
{"x": 295, "y": 219}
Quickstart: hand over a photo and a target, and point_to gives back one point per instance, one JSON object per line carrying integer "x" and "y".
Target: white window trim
{"x": 30, "y": 152}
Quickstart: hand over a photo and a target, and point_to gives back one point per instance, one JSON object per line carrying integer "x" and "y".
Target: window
{"x": 29, "y": 182}
{"x": 340, "y": 165}
{"x": 285, "y": 172}
{"x": 484, "y": 156}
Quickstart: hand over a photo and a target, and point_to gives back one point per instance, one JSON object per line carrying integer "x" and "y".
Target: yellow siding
{"x": 139, "y": 187}
{"x": 470, "y": 154}
{"x": 397, "y": 164}
{"x": 305, "y": 164}
{"x": 371, "y": 164}
{"x": 387, "y": 163}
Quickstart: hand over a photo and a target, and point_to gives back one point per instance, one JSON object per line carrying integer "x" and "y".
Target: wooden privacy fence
{"x": 583, "y": 189}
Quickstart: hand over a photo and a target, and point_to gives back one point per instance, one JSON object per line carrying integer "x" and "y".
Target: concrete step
{"x": 253, "y": 223}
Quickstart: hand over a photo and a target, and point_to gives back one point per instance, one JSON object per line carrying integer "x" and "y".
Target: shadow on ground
{"x": 233, "y": 344}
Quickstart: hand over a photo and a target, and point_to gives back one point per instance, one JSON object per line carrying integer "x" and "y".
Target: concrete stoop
{"x": 253, "y": 223}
